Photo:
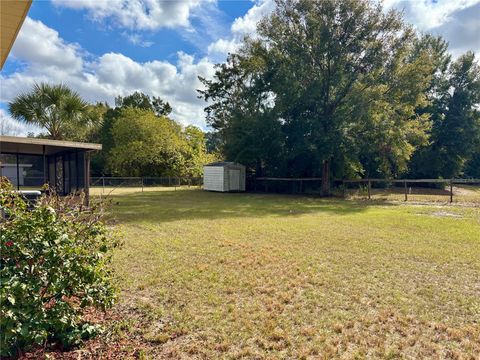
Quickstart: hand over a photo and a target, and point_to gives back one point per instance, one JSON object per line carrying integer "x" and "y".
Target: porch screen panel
{"x": 51, "y": 171}
{"x": 8, "y": 167}
{"x": 81, "y": 170}
{"x": 31, "y": 171}
{"x": 72, "y": 164}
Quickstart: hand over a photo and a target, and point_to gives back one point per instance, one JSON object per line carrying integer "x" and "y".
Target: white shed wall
{"x": 228, "y": 177}
{"x": 213, "y": 178}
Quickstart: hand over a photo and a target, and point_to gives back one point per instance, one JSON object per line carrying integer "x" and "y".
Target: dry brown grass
{"x": 207, "y": 276}
{"x": 265, "y": 276}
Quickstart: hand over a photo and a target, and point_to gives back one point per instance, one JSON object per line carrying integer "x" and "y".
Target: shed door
{"x": 234, "y": 179}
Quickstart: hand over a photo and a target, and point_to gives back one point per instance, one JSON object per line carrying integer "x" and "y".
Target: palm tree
{"x": 57, "y": 108}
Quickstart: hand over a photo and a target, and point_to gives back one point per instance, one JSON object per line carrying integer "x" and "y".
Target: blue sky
{"x": 105, "y": 48}
{"x": 208, "y": 23}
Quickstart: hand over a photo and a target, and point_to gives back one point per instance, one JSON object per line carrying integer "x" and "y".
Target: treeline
{"x": 342, "y": 88}
{"x": 138, "y": 137}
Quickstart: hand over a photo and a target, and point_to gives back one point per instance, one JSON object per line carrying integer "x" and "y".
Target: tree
{"x": 142, "y": 101}
{"x": 103, "y": 133}
{"x": 195, "y": 152}
{"x": 57, "y": 108}
{"x": 456, "y": 122}
{"x": 328, "y": 82}
{"x": 472, "y": 167}
{"x": 213, "y": 142}
{"x": 144, "y": 144}
{"x": 458, "y": 132}
{"x": 246, "y": 129}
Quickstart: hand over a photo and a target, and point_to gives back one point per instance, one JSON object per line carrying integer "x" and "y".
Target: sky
{"x": 106, "y": 48}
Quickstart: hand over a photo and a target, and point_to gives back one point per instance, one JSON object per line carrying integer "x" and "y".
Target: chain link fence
{"x": 106, "y": 185}
{"x": 415, "y": 190}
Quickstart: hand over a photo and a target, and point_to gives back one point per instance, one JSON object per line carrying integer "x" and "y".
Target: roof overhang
{"x": 12, "y": 15}
{"x": 35, "y": 146}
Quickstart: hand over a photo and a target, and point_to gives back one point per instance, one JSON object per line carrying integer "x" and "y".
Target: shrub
{"x": 54, "y": 264}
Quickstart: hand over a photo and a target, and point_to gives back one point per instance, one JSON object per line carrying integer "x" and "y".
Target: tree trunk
{"x": 326, "y": 178}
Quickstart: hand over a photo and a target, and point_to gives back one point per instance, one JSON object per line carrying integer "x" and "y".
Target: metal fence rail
{"x": 308, "y": 185}
{"x": 371, "y": 188}
{"x": 461, "y": 190}
{"x": 113, "y": 182}
{"x": 406, "y": 185}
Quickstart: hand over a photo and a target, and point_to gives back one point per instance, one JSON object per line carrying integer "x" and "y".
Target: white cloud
{"x": 242, "y": 26}
{"x": 136, "y": 14}
{"x": 9, "y": 126}
{"x": 208, "y": 24}
{"x": 50, "y": 58}
{"x": 462, "y": 30}
{"x": 223, "y": 46}
{"x": 428, "y": 14}
{"x": 247, "y": 24}
{"x": 137, "y": 40}
{"x": 456, "y": 20}
{"x": 40, "y": 45}
{"x": 105, "y": 77}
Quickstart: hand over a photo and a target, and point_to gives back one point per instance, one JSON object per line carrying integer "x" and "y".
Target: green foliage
{"x": 144, "y": 144}
{"x": 151, "y": 145}
{"x": 326, "y": 82}
{"x": 472, "y": 167}
{"x": 213, "y": 142}
{"x": 195, "y": 151}
{"x": 455, "y": 133}
{"x": 90, "y": 131}
{"x": 54, "y": 264}
{"x": 142, "y": 101}
{"x": 57, "y": 108}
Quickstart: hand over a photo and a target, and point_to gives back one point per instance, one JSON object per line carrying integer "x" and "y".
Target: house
{"x": 63, "y": 165}
{"x": 17, "y": 178}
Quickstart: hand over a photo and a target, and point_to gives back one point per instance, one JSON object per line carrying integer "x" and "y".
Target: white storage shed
{"x": 224, "y": 177}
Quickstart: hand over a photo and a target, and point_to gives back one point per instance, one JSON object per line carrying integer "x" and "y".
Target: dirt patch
{"x": 465, "y": 191}
{"x": 442, "y": 213}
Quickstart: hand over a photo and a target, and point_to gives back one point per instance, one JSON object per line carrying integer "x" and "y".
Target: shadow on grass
{"x": 168, "y": 206}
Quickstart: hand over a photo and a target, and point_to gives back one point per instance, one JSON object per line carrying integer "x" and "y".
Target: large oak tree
{"x": 324, "y": 83}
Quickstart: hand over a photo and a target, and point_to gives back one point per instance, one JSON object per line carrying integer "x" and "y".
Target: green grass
{"x": 208, "y": 275}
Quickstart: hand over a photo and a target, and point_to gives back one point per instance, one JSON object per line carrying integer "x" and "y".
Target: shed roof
{"x": 24, "y": 145}
{"x": 223, "y": 163}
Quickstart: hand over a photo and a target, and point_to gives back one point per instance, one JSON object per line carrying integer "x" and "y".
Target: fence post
{"x": 406, "y": 192}
{"x": 142, "y": 183}
{"x": 344, "y": 188}
{"x": 369, "y": 186}
{"x": 103, "y": 184}
{"x": 451, "y": 190}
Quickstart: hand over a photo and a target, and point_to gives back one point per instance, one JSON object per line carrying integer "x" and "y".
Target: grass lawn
{"x": 208, "y": 275}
